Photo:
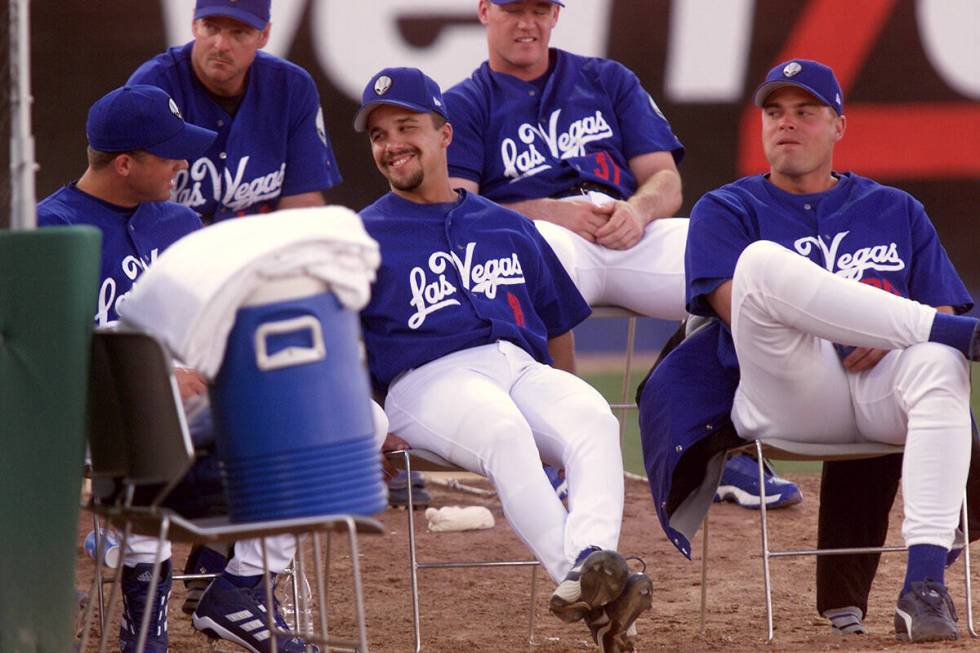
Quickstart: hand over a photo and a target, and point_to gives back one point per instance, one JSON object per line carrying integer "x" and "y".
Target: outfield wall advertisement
{"x": 910, "y": 70}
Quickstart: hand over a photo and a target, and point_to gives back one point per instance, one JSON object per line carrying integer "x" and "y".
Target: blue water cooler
{"x": 291, "y": 406}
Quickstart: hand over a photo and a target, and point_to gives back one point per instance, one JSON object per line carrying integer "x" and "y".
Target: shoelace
{"x": 640, "y": 560}
{"x": 936, "y": 599}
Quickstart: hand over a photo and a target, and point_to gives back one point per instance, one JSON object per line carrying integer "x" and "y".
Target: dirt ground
{"x": 485, "y": 611}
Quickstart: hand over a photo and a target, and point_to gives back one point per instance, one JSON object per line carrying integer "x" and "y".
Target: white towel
{"x": 457, "y": 518}
{"x": 190, "y": 295}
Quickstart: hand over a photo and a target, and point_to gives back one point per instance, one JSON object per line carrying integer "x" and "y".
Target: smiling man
{"x": 469, "y": 310}
{"x": 835, "y": 319}
{"x": 272, "y": 150}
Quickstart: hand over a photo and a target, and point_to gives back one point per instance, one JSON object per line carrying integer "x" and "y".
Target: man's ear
{"x": 483, "y": 10}
{"x": 840, "y": 127}
{"x": 447, "y": 134}
{"x": 264, "y": 36}
{"x": 122, "y": 165}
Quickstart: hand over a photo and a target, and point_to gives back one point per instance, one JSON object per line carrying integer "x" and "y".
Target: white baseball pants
{"x": 787, "y": 312}
{"x": 496, "y": 411}
{"x": 647, "y": 278}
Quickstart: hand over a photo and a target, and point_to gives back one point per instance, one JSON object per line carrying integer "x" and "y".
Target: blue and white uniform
{"x": 457, "y": 329}
{"x": 131, "y": 237}
{"x": 276, "y": 144}
{"x": 572, "y": 134}
{"x": 812, "y": 277}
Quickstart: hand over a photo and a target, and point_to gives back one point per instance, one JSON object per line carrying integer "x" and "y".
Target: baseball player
{"x": 469, "y": 308}
{"x": 138, "y": 144}
{"x": 272, "y": 149}
{"x": 576, "y": 144}
{"x": 836, "y": 318}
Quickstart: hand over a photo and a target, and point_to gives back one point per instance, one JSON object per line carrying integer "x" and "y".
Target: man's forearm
{"x": 538, "y": 209}
{"x": 659, "y": 196}
{"x": 562, "y": 350}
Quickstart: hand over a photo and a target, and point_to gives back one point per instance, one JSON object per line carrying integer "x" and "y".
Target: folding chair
{"x": 625, "y": 403}
{"x": 423, "y": 460}
{"x": 139, "y": 436}
{"x": 778, "y": 449}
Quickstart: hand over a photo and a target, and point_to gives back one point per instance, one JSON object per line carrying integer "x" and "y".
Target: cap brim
{"x": 230, "y": 12}
{"x": 361, "y": 117}
{"x": 767, "y": 89}
{"x": 189, "y": 143}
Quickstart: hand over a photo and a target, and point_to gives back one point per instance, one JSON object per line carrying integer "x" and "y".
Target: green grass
{"x": 610, "y": 384}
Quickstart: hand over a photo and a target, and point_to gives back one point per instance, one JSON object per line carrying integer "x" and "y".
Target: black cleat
{"x": 925, "y": 613}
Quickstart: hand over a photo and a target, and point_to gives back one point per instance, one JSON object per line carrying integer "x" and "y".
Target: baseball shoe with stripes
{"x": 239, "y": 614}
{"x": 135, "y": 586}
{"x": 740, "y": 484}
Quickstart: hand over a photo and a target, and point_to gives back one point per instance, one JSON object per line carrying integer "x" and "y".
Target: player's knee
{"x": 758, "y": 260}
{"x": 594, "y": 428}
{"x": 931, "y": 368}
{"x": 510, "y": 444}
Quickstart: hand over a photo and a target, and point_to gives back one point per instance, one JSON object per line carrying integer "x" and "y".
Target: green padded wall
{"x": 48, "y": 291}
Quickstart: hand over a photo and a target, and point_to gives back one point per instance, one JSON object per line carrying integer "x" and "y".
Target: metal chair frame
{"x": 140, "y": 437}
{"x": 101, "y": 580}
{"x": 778, "y": 449}
{"x": 625, "y": 403}
{"x": 427, "y": 461}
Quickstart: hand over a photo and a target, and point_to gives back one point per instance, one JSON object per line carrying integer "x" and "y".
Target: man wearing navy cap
{"x": 470, "y": 309}
{"x": 836, "y": 317}
{"x": 138, "y": 144}
{"x": 272, "y": 150}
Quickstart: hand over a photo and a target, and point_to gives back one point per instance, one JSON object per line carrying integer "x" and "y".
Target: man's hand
{"x": 190, "y": 383}
{"x": 392, "y": 443}
{"x": 863, "y": 358}
{"x": 579, "y": 216}
{"x": 624, "y": 225}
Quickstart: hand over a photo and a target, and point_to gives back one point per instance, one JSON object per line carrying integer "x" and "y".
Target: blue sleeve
{"x": 149, "y": 73}
{"x": 643, "y": 125}
{"x": 715, "y": 239}
{"x": 310, "y": 162}
{"x": 557, "y": 301}
{"x": 932, "y": 278}
{"x": 466, "y": 154}
{"x": 48, "y": 218}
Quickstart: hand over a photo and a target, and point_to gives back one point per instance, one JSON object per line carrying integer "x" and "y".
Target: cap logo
{"x": 174, "y": 110}
{"x": 436, "y": 101}
{"x": 791, "y": 69}
{"x": 837, "y": 98}
{"x": 382, "y": 84}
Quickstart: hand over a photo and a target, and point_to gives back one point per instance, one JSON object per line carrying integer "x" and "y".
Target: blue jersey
{"x": 460, "y": 275}
{"x": 581, "y": 123}
{"x": 131, "y": 238}
{"x": 275, "y": 145}
{"x": 859, "y": 230}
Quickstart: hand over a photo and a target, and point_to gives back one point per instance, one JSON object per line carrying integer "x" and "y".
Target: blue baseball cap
{"x": 510, "y": 2}
{"x": 812, "y": 76}
{"x": 144, "y": 117}
{"x": 401, "y": 87}
{"x": 250, "y": 12}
